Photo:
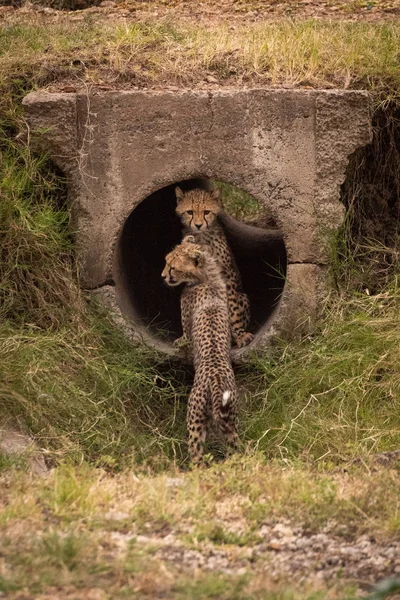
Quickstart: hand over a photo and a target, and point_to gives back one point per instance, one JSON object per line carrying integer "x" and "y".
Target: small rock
{"x": 69, "y": 89}
{"x": 275, "y": 544}
{"x": 96, "y": 594}
{"x": 211, "y": 79}
{"x": 15, "y": 443}
{"x": 144, "y": 539}
{"x": 121, "y": 539}
{"x": 115, "y": 515}
{"x": 174, "y": 481}
{"x": 283, "y": 530}
{"x": 248, "y": 553}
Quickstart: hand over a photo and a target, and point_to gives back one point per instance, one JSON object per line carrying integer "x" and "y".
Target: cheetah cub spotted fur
{"x": 198, "y": 211}
{"x": 205, "y": 321}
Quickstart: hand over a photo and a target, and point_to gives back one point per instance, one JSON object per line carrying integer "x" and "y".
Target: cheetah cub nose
{"x": 198, "y": 226}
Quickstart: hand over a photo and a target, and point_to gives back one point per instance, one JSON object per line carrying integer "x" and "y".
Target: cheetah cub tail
{"x": 226, "y": 420}
{"x": 226, "y": 396}
{"x": 225, "y": 407}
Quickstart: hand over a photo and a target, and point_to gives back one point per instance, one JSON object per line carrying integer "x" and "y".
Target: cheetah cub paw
{"x": 183, "y": 343}
{"x": 244, "y": 339}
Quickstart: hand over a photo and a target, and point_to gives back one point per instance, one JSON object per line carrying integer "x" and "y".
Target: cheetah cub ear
{"x": 189, "y": 238}
{"x": 196, "y": 255}
{"x": 198, "y": 258}
{"x": 178, "y": 193}
{"x": 216, "y": 195}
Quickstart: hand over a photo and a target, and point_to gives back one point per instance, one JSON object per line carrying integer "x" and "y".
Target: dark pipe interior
{"x": 153, "y": 229}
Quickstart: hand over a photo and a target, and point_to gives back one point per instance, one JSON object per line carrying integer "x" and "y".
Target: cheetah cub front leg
{"x": 184, "y": 343}
{"x": 239, "y": 314}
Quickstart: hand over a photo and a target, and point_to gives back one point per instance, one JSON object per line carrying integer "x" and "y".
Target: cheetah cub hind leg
{"x": 197, "y": 421}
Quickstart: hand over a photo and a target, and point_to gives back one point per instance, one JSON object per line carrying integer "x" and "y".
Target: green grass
{"x": 212, "y": 586}
{"x": 36, "y": 250}
{"x": 61, "y": 551}
{"x": 336, "y": 393}
{"x": 86, "y": 393}
{"x": 241, "y": 205}
{"x": 219, "y": 535}
{"x": 9, "y": 461}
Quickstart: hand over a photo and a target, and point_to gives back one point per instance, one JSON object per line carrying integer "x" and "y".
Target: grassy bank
{"x": 70, "y": 378}
{"x": 75, "y": 382}
{"x": 66, "y": 375}
{"x": 335, "y": 394}
{"x": 61, "y": 51}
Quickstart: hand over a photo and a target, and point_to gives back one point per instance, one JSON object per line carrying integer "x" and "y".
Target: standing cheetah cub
{"x": 205, "y": 321}
{"x": 198, "y": 211}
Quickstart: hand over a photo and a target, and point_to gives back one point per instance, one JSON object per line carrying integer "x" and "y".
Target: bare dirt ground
{"x": 235, "y": 11}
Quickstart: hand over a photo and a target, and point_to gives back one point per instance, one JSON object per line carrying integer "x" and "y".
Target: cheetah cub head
{"x": 185, "y": 264}
{"x": 198, "y": 209}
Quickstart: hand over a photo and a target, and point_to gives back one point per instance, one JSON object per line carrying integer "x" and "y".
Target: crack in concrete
{"x": 98, "y": 286}
{"x": 206, "y": 132}
{"x": 211, "y": 104}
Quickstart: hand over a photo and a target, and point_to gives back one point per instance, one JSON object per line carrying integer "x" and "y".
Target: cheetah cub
{"x": 205, "y": 321}
{"x": 198, "y": 211}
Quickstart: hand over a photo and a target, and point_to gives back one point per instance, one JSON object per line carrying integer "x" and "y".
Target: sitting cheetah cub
{"x": 205, "y": 321}
{"x": 198, "y": 211}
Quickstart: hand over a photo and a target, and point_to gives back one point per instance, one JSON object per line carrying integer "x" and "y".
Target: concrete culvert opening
{"x": 153, "y": 229}
{"x": 290, "y": 148}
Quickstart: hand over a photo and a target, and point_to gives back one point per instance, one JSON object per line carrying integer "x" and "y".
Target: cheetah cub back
{"x": 205, "y": 321}
{"x": 198, "y": 210}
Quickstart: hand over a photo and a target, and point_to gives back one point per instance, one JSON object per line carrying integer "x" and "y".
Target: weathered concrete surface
{"x": 289, "y": 149}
